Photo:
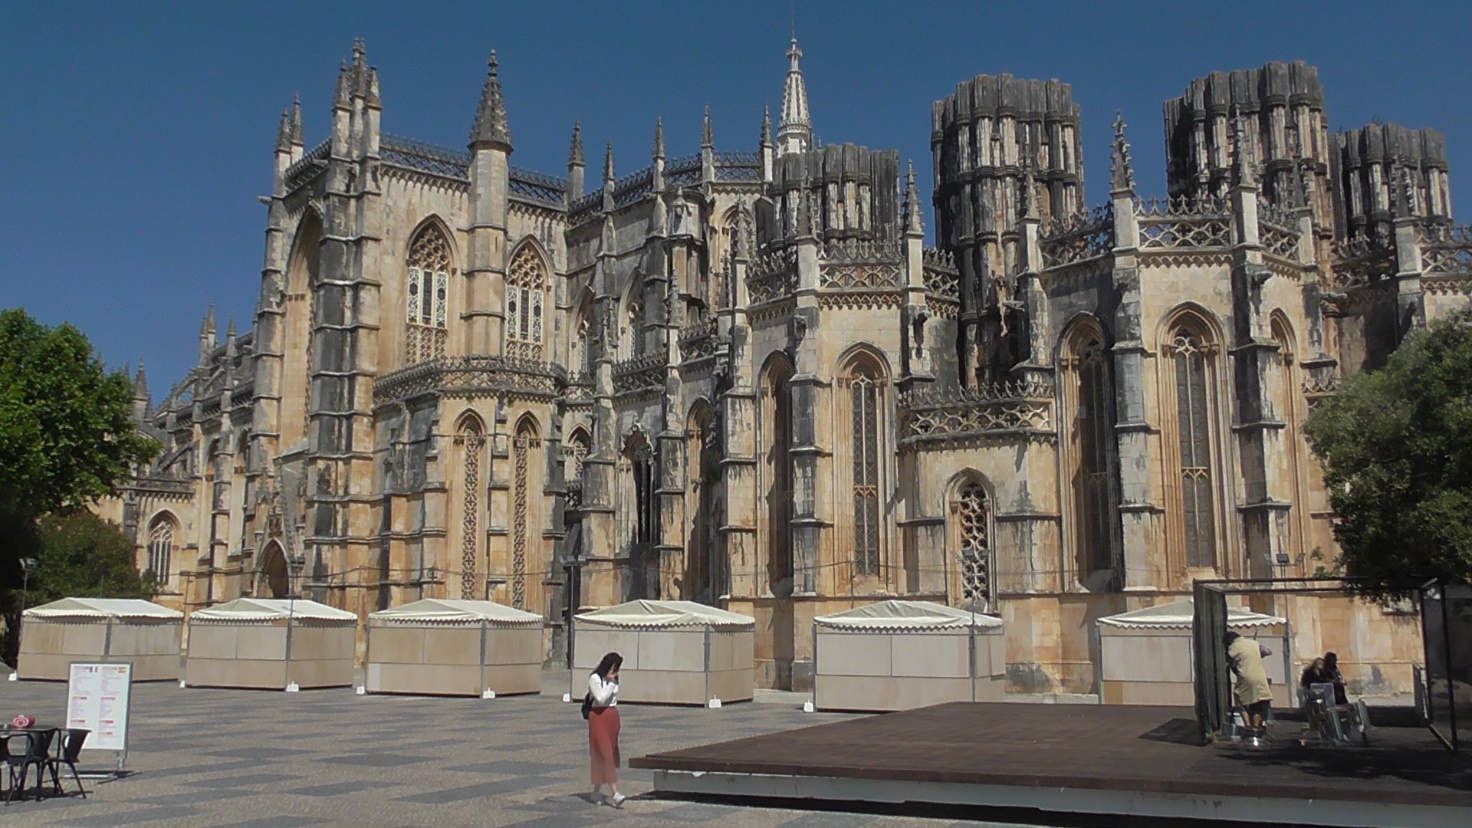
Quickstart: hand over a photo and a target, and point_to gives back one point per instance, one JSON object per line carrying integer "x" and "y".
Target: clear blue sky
{"x": 134, "y": 138}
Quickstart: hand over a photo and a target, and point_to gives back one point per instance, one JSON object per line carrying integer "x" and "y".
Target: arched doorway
{"x": 275, "y": 574}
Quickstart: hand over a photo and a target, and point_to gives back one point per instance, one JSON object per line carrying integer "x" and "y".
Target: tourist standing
{"x": 603, "y": 727}
{"x": 1253, "y": 690}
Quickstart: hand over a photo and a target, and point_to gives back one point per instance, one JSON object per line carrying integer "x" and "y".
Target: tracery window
{"x": 1092, "y": 445}
{"x": 526, "y": 291}
{"x": 427, "y": 291}
{"x": 972, "y": 513}
{"x": 1192, "y": 356}
{"x": 161, "y": 550}
{"x": 864, "y": 410}
{"x": 778, "y": 510}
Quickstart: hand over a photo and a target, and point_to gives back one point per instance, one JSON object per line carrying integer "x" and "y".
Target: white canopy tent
{"x": 675, "y": 652}
{"x": 897, "y": 655}
{"x": 271, "y": 643}
{"x": 1146, "y": 655}
{"x": 100, "y": 629}
{"x": 459, "y": 648}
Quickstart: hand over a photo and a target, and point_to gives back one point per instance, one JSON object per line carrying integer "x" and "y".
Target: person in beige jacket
{"x": 1244, "y": 655}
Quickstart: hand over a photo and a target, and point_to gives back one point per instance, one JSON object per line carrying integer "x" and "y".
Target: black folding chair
{"x": 38, "y": 746}
{"x": 72, "y": 740}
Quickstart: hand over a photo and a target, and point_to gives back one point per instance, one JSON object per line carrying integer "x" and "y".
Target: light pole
{"x": 26, "y": 565}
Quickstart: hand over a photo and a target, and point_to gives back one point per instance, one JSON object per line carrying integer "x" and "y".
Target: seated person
{"x": 1332, "y": 674}
{"x": 1313, "y": 674}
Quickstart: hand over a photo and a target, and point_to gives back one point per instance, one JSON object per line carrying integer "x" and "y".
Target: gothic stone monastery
{"x": 741, "y": 378}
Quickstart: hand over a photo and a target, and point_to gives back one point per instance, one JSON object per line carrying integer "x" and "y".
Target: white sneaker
{"x": 618, "y": 800}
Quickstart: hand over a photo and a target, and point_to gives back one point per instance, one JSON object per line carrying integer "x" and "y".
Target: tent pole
{"x": 707, "y": 665}
{"x": 107, "y": 640}
{"x": 971, "y": 634}
{"x": 483, "y": 687}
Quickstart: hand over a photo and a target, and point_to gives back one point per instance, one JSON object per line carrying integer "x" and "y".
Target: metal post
{"x": 107, "y": 639}
{"x": 1446, "y": 635}
{"x": 707, "y": 665}
{"x": 971, "y": 655}
{"x": 482, "y": 659}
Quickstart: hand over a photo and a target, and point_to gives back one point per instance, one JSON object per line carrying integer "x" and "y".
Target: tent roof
{"x": 650, "y": 614}
{"x": 905, "y": 616}
{"x": 1180, "y": 615}
{"x": 271, "y": 609}
{"x": 448, "y": 611}
{"x": 126, "y": 608}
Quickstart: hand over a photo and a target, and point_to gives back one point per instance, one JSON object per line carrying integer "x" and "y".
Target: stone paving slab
{"x": 248, "y": 758}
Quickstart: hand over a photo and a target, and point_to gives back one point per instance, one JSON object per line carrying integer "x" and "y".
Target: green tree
{"x": 1396, "y": 447}
{"x": 66, "y": 437}
{"x": 82, "y": 555}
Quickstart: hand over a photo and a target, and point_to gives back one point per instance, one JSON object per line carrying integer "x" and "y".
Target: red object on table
{"x": 22, "y": 721}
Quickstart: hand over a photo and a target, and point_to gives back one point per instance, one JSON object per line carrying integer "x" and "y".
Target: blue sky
{"x": 134, "y": 138}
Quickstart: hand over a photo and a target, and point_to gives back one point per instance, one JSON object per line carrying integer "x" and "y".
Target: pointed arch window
{"x": 1193, "y": 355}
{"x": 427, "y": 292}
{"x": 864, "y": 410}
{"x": 634, "y": 318}
{"x": 526, "y": 291}
{"x": 1091, "y": 449}
{"x": 971, "y": 509}
{"x": 161, "y": 550}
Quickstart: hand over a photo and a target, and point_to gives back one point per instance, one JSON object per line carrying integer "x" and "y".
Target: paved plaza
{"x": 328, "y": 757}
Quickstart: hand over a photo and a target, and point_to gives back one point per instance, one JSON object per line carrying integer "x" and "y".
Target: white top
{"x": 454, "y": 612}
{"x": 605, "y": 693}
{"x": 645, "y": 614}
{"x": 132, "y": 608}
{"x": 1180, "y": 615}
{"x": 906, "y": 616}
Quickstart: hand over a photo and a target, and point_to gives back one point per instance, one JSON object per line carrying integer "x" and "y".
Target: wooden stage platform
{"x": 1083, "y": 760}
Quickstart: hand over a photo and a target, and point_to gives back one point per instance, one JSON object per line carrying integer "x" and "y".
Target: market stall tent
{"x": 270, "y": 644}
{"x": 454, "y": 648}
{"x": 675, "y": 652}
{"x": 100, "y": 629}
{"x": 896, "y": 655}
{"x": 1146, "y": 656}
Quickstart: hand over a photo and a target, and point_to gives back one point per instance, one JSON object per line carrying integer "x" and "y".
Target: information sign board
{"x": 97, "y": 700}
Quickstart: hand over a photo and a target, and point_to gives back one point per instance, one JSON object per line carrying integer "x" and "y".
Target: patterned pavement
{"x": 246, "y": 758}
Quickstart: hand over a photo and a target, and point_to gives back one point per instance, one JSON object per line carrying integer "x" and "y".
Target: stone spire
{"x": 707, "y": 134}
{"x": 912, "y": 204}
{"x": 1242, "y": 173}
{"x": 608, "y": 163}
{"x": 298, "y": 134}
{"x": 796, "y": 131}
{"x": 659, "y": 137}
{"x": 766, "y": 126}
{"x": 140, "y": 382}
{"x": 575, "y": 152}
{"x": 283, "y": 132}
{"x": 1122, "y": 175}
{"x": 491, "y": 127}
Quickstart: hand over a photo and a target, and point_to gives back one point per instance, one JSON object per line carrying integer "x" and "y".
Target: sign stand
{"x": 99, "y": 699}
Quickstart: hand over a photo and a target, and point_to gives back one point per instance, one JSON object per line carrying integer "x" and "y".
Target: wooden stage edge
{"x": 1085, "y": 761}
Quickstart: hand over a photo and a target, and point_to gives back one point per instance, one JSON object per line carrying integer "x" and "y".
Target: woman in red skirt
{"x": 603, "y": 728}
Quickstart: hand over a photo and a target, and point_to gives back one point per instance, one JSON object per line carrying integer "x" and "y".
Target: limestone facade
{"x": 741, "y": 378}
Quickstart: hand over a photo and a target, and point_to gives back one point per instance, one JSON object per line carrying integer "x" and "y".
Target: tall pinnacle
{"x": 707, "y": 134}
{"x": 766, "y": 126}
{"x": 575, "y": 152}
{"x": 283, "y": 132}
{"x": 1122, "y": 177}
{"x": 1242, "y": 173}
{"x": 608, "y": 164}
{"x": 298, "y": 135}
{"x": 659, "y": 137}
{"x": 912, "y": 203}
{"x": 140, "y": 382}
{"x": 795, "y": 134}
{"x": 491, "y": 127}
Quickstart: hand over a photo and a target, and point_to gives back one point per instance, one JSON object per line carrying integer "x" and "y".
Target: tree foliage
{"x": 67, "y": 437}
{"x": 83, "y": 556}
{"x": 66, "y": 429}
{"x": 1396, "y": 446}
